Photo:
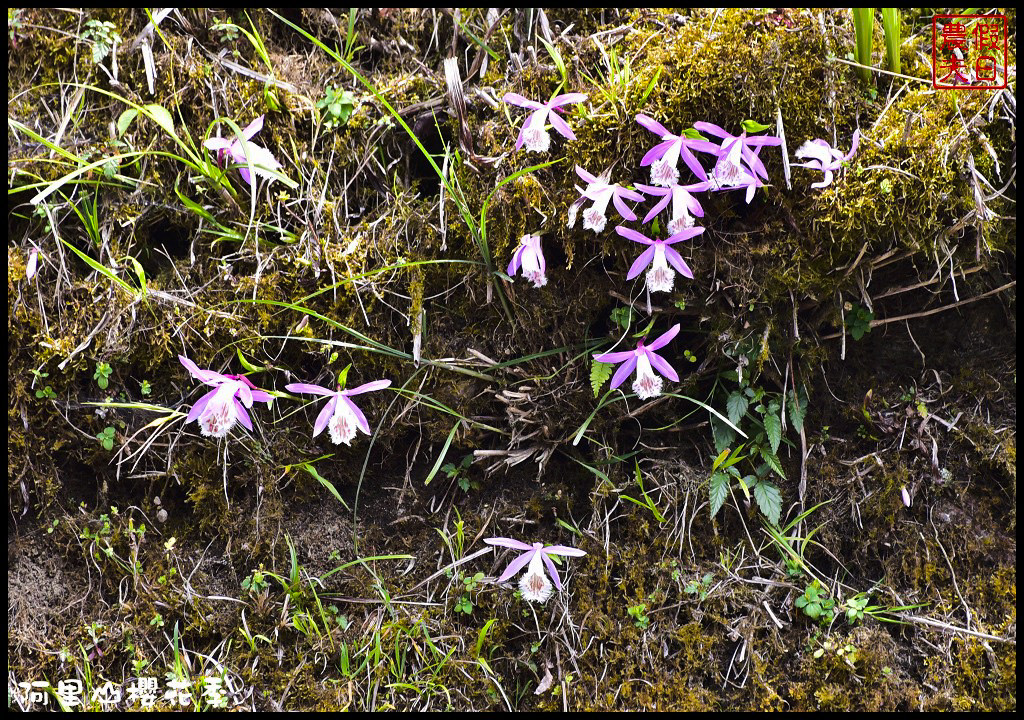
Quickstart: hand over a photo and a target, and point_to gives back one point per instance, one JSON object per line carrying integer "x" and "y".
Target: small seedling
{"x": 460, "y": 473}
{"x": 102, "y": 375}
{"x": 699, "y": 587}
{"x": 816, "y": 604}
{"x": 465, "y": 603}
{"x": 106, "y": 438}
{"x": 337, "y": 106}
{"x": 858, "y": 320}
{"x": 145, "y": 388}
{"x": 103, "y": 36}
{"x": 639, "y": 615}
{"x": 255, "y": 583}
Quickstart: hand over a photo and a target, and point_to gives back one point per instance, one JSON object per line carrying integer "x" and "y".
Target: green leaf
{"x": 769, "y": 501}
{"x": 723, "y": 435}
{"x": 719, "y": 490}
{"x": 736, "y": 406}
{"x": 440, "y": 457}
{"x": 751, "y": 126}
{"x": 797, "y": 408}
{"x": 125, "y": 120}
{"x": 773, "y": 461}
{"x": 161, "y": 117}
{"x": 599, "y": 374}
{"x": 693, "y": 134}
{"x": 245, "y": 363}
{"x": 773, "y": 426}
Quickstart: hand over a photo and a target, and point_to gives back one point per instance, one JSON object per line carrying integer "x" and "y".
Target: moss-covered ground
{"x": 862, "y": 336}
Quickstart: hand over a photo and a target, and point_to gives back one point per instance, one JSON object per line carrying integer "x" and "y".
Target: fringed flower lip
{"x": 226, "y": 404}
{"x": 340, "y": 414}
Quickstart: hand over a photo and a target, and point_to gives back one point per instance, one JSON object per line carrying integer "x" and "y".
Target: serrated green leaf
{"x": 769, "y": 501}
{"x": 752, "y": 126}
{"x": 719, "y": 490}
{"x": 723, "y": 435}
{"x": 773, "y": 461}
{"x": 599, "y": 374}
{"x": 797, "y": 409}
{"x": 773, "y": 426}
{"x": 736, "y": 406}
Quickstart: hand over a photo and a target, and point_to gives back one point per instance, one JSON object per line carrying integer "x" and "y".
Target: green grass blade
{"x": 891, "y": 25}
{"x": 863, "y": 28}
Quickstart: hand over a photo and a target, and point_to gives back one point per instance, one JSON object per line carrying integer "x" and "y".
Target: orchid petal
{"x": 368, "y": 387}
{"x": 561, "y": 126}
{"x": 360, "y": 418}
{"x": 243, "y": 416}
{"x": 564, "y": 550}
{"x": 692, "y": 162}
{"x": 552, "y": 569}
{"x": 633, "y": 235}
{"x": 641, "y": 263}
{"x": 252, "y": 128}
{"x": 653, "y": 125}
{"x": 261, "y": 396}
{"x": 207, "y": 376}
{"x": 518, "y": 564}
{"x": 661, "y": 365}
{"x": 516, "y": 99}
{"x": 712, "y": 129}
{"x": 676, "y": 261}
{"x": 615, "y": 357}
{"x": 307, "y": 389}
{"x": 244, "y": 394}
{"x": 625, "y": 370}
{"x": 656, "y": 152}
{"x": 664, "y": 339}
{"x": 325, "y": 416}
{"x": 684, "y": 234}
{"x": 856, "y": 142}
{"x": 566, "y": 99}
{"x": 509, "y": 543}
{"x": 199, "y": 406}
{"x": 586, "y": 176}
{"x": 623, "y": 209}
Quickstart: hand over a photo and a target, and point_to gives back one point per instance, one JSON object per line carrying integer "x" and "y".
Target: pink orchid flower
{"x": 822, "y": 156}
{"x": 664, "y": 157}
{"x": 659, "y": 255}
{"x": 221, "y": 408}
{"x": 340, "y": 414}
{"x": 534, "y": 585}
{"x": 530, "y": 257}
{"x": 261, "y": 158}
{"x": 684, "y": 204}
{"x": 645, "y": 361}
{"x": 601, "y": 192}
{"x": 534, "y": 132}
{"x": 33, "y": 263}
{"x": 735, "y": 150}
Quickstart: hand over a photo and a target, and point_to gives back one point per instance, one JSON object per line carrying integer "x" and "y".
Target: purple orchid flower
{"x": 261, "y": 158}
{"x": 822, "y": 156}
{"x": 735, "y": 150}
{"x": 340, "y": 414}
{"x": 647, "y": 384}
{"x": 534, "y": 584}
{"x": 659, "y": 254}
{"x": 221, "y": 408}
{"x": 601, "y": 192}
{"x": 534, "y": 132}
{"x": 530, "y": 257}
{"x": 684, "y": 204}
{"x": 664, "y": 157}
